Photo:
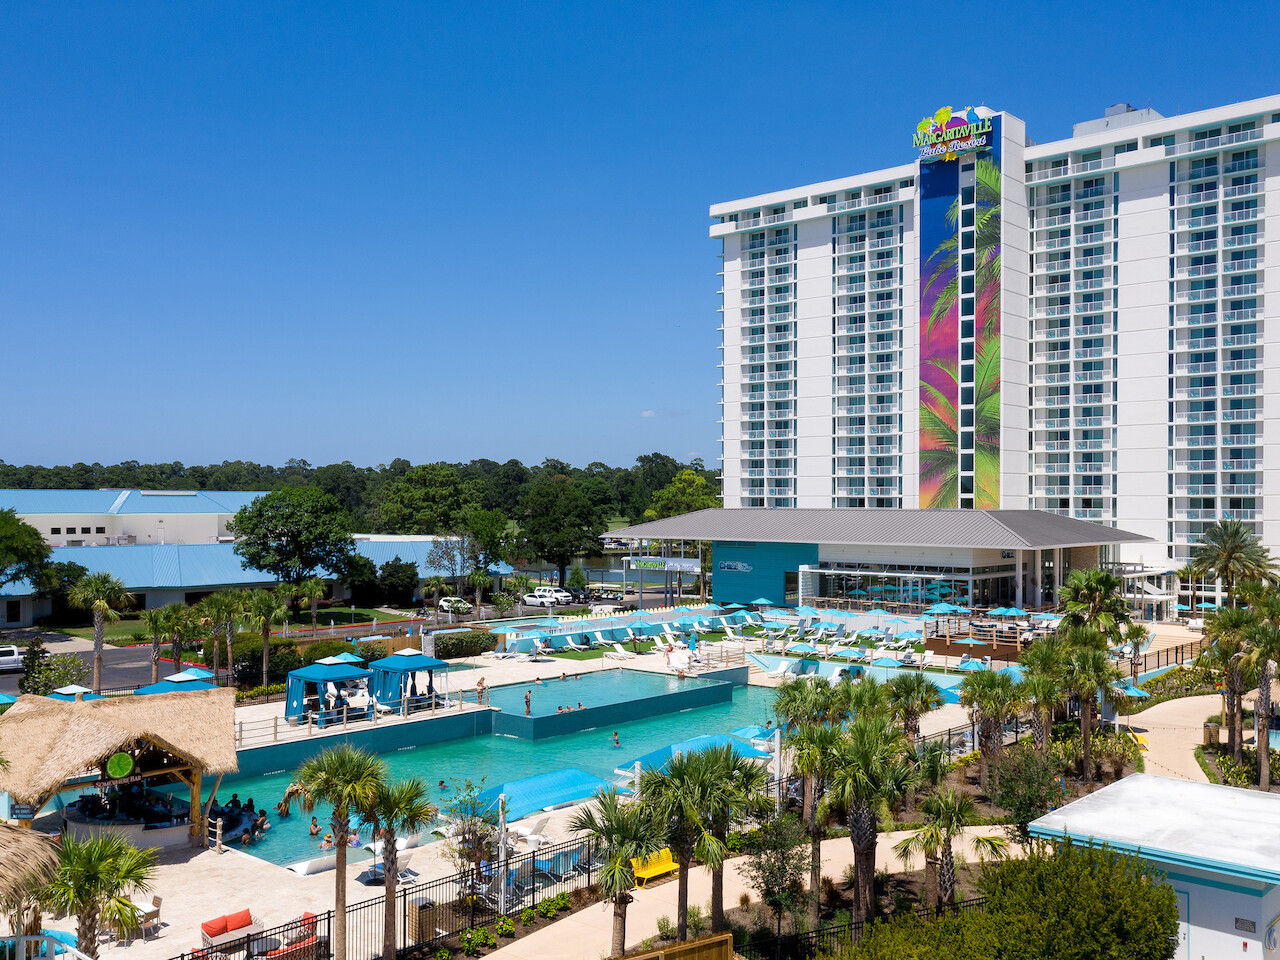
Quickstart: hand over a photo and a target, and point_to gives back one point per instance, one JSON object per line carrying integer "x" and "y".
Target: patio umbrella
{"x": 762, "y": 602}
{"x": 845, "y": 653}
{"x": 897, "y": 620}
{"x": 969, "y": 642}
{"x": 5, "y": 698}
{"x": 735, "y": 606}
{"x": 911, "y": 635}
{"x": 752, "y": 732}
{"x": 1129, "y": 690}
{"x": 1054, "y": 616}
{"x": 949, "y": 695}
{"x": 857, "y": 593}
{"x": 972, "y": 665}
{"x": 998, "y": 612}
{"x": 198, "y": 672}
{"x": 877, "y": 612}
{"x": 712, "y": 607}
{"x": 1206, "y": 605}
{"x": 802, "y": 648}
{"x": 824, "y": 625}
{"x": 886, "y": 662}
{"x": 807, "y": 611}
{"x": 1177, "y": 606}
{"x": 509, "y": 629}
{"x": 1014, "y": 670}
{"x": 1016, "y": 612}
{"x": 548, "y": 622}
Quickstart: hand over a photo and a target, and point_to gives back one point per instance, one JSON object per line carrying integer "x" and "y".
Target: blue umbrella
{"x": 845, "y": 653}
{"x": 911, "y": 635}
{"x": 198, "y": 672}
{"x": 5, "y": 698}
{"x": 548, "y": 622}
{"x": 1014, "y": 670}
{"x": 1129, "y": 690}
{"x": 877, "y": 612}
{"x": 857, "y": 593}
{"x": 508, "y": 629}
{"x": 949, "y": 695}
{"x": 713, "y": 606}
{"x": 683, "y": 610}
{"x": 969, "y": 642}
{"x": 1206, "y": 605}
{"x": 752, "y": 732}
{"x": 824, "y": 625}
{"x": 972, "y": 665}
{"x": 998, "y": 612}
{"x": 1054, "y": 616}
{"x": 1181, "y": 606}
{"x": 886, "y": 662}
{"x": 762, "y": 602}
{"x": 897, "y": 620}
{"x": 807, "y": 611}
{"x": 1015, "y": 612}
{"x": 735, "y": 606}
{"x": 802, "y": 648}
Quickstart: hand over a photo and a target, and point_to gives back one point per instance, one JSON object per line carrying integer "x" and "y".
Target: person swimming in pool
{"x": 327, "y": 842}
{"x": 315, "y": 827}
{"x": 616, "y": 741}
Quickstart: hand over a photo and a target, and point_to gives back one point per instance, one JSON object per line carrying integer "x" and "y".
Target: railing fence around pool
{"x": 427, "y": 912}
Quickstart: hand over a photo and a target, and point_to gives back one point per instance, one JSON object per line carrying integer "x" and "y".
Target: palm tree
{"x": 1041, "y": 689}
{"x": 870, "y": 771}
{"x": 622, "y": 832}
{"x": 1189, "y": 574}
{"x": 992, "y": 699}
{"x": 480, "y": 581}
{"x": 1263, "y": 651}
{"x": 105, "y": 595}
{"x": 156, "y": 622}
{"x": 436, "y": 585}
{"x": 264, "y": 608}
{"x": 677, "y": 796}
{"x": 219, "y": 611}
{"x": 347, "y": 779}
{"x": 95, "y": 879}
{"x": 814, "y": 747}
{"x": 1091, "y": 598}
{"x": 949, "y": 812}
{"x": 1089, "y": 673}
{"x": 741, "y": 790}
{"x": 912, "y": 696}
{"x": 183, "y": 625}
{"x": 1230, "y": 551}
{"x": 1227, "y": 630}
{"x": 519, "y": 584}
{"x": 397, "y": 809}
{"x": 312, "y": 590}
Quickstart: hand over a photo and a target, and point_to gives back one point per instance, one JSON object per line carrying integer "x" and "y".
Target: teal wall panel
{"x": 744, "y": 570}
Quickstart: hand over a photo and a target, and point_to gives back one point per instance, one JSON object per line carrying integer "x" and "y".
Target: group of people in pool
{"x": 528, "y": 696}
{"x": 252, "y": 822}
{"x": 353, "y": 840}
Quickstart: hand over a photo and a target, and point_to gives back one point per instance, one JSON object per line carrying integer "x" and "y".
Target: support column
{"x": 197, "y": 810}
{"x": 1018, "y": 580}
{"x": 1036, "y": 593}
{"x": 1057, "y": 573}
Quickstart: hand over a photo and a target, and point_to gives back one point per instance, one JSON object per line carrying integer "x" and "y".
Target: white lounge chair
{"x": 617, "y": 653}
{"x": 927, "y": 659}
{"x": 837, "y": 675}
{"x": 574, "y": 646}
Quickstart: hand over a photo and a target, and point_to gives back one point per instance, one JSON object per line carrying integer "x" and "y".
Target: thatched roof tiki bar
{"x": 122, "y": 757}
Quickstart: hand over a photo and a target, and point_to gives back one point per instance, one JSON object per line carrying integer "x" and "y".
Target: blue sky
{"x": 444, "y": 231}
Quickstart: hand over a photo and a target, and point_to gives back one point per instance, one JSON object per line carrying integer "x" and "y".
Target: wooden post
{"x": 275, "y": 729}
{"x": 198, "y": 838}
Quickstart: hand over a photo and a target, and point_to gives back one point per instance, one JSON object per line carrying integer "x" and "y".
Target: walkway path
{"x": 589, "y": 933}
{"x": 1174, "y": 729}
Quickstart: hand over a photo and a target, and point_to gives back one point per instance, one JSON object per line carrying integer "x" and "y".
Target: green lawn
{"x": 117, "y": 634}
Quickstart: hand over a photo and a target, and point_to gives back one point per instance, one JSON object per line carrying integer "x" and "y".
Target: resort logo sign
{"x": 947, "y": 134}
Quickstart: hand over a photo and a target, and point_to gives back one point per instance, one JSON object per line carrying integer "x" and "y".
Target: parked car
{"x": 546, "y": 597}
{"x": 579, "y": 596}
{"x": 10, "y": 658}
{"x": 454, "y": 605}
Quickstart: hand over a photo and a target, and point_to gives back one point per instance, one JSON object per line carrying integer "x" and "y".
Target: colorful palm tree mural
{"x": 939, "y": 347}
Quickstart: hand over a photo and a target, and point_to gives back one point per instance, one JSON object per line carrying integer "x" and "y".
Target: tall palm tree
{"x": 1090, "y": 672}
{"x": 184, "y": 625}
{"x": 264, "y": 608}
{"x": 814, "y": 747}
{"x": 1189, "y": 574}
{"x": 480, "y": 581}
{"x": 622, "y": 832}
{"x": 347, "y": 779}
{"x": 949, "y": 812}
{"x": 1263, "y": 641}
{"x": 436, "y": 585}
{"x": 156, "y": 622}
{"x": 397, "y": 809}
{"x": 992, "y": 699}
{"x": 219, "y": 612}
{"x": 1230, "y": 551}
{"x": 105, "y": 595}
{"x": 677, "y": 796}
{"x": 912, "y": 696}
{"x": 95, "y": 879}
{"x": 519, "y": 584}
{"x": 1091, "y": 598}
{"x": 1041, "y": 689}
{"x": 870, "y": 771}
{"x": 1227, "y": 630}
{"x": 312, "y": 590}
{"x": 741, "y": 791}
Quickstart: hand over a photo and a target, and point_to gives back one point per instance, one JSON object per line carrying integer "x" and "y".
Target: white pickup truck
{"x": 547, "y": 597}
{"x": 10, "y": 658}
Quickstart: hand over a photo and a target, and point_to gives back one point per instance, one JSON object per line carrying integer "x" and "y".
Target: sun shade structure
{"x": 657, "y": 759}
{"x": 178, "y": 683}
{"x": 395, "y": 677}
{"x": 70, "y": 691}
{"x": 752, "y": 732}
{"x": 171, "y": 738}
{"x": 318, "y": 674}
{"x": 544, "y": 791}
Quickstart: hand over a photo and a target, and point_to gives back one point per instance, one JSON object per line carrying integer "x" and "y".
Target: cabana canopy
{"x": 69, "y": 693}
{"x": 545, "y": 790}
{"x": 178, "y": 683}
{"x": 317, "y": 673}
{"x": 393, "y": 676}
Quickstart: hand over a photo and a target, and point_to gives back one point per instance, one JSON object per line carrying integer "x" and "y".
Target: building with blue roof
{"x": 158, "y": 574}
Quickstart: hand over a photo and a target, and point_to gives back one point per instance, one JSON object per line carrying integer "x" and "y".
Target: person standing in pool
{"x": 526, "y": 703}
{"x": 315, "y": 827}
{"x": 616, "y": 741}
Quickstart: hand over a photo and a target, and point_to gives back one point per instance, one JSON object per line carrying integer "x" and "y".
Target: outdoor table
{"x": 260, "y": 945}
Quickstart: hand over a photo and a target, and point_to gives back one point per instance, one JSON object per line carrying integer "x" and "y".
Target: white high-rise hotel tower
{"x": 1076, "y": 326}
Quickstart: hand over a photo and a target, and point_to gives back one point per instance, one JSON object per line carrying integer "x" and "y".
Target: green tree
{"x": 519, "y": 584}
{"x": 558, "y": 523}
{"x": 1090, "y": 673}
{"x": 428, "y": 499}
{"x": 1189, "y": 575}
{"x": 622, "y": 832}
{"x": 912, "y": 696}
{"x": 219, "y": 612}
{"x": 951, "y": 811}
{"x": 292, "y": 533}
{"x": 578, "y": 577}
{"x": 311, "y": 591}
{"x": 23, "y": 552}
{"x": 489, "y": 531}
{"x": 54, "y": 585}
{"x": 348, "y": 780}
{"x": 1041, "y": 688}
{"x": 503, "y": 602}
{"x": 434, "y": 585}
{"x": 1230, "y": 551}
{"x": 398, "y": 581}
{"x": 774, "y": 866}
{"x": 479, "y": 580}
{"x": 156, "y": 623}
{"x": 687, "y": 492}
{"x": 105, "y": 595}
{"x": 95, "y": 879}
{"x": 1025, "y": 785}
{"x": 264, "y": 609}
{"x": 1263, "y": 650}
{"x": 871, "y": 771}
{"x": 184, "y": 626}
{"x": 397, "y": 809}
{"x": 1226, "y": 630}
{"x": 33, "y": 666}
{"x": 677, "y": 796}
{"x": 992, "y": 700}
{"x": 1091, "y": 598}
{"x": 740, "y": 791}
{"x": 474, "y": 830}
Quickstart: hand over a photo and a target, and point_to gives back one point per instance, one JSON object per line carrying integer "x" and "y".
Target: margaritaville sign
{"x": 947, "y": 134}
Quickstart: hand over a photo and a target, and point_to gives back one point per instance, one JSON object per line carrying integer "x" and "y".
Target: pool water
{"x": 590, "y": 690}
{"x": 503, "y": 758}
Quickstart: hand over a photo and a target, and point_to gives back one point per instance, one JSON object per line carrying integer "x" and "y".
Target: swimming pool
{"x": 504, "y": 758}
{"x": 824, "y": 668}
{"x": 585, "y": 690}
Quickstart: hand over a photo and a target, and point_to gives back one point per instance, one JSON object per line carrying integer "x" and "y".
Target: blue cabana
{"x": 178, "y": 683}
{"x": 318, "y": 674}
{"x": 394, "y": 677}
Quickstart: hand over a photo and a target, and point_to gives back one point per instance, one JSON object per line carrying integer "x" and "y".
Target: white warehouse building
{"x": 1075, "y": 326}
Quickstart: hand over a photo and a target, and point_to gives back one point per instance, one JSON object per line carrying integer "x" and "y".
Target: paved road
{"x": 121, "y": 666}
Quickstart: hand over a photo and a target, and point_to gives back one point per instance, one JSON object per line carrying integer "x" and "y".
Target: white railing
{"x": 1211, "y": 143}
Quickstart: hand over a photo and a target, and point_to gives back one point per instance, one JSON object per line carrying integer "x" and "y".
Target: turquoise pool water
{"x": 590, "y": 690}
{"x": 504, "y": 758}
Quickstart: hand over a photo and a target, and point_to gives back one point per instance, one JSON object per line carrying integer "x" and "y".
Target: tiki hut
{"x": 25, "y": 856}
{"x": 123, "y": 755}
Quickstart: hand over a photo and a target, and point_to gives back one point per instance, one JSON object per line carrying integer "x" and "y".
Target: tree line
{"x": 396, "y": 497}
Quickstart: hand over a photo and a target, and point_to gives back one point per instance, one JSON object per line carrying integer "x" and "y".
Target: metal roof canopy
{"x": 887, "y": 527}
{"x": 1209, "y": 827}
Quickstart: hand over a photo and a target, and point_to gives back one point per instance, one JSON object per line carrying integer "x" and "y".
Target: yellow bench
{"x": 653, "y": 866}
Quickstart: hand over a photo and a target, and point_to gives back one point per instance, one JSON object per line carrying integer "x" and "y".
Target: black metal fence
{"x": 428, "y": 912}
{"x": 1169, "y": 656}
{"x": 832, "y": 939}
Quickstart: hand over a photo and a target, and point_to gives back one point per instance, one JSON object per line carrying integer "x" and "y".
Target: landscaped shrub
{"x": 504, "y": 927}
{"x": 562, "y": 900}
{"x": 254, "y": 693}
{"x": 332, "y": 647}
{"x": 528, "y": 916}
{"x": 444, "y": 953}
{"x": 696, "y": 921}
{"x": 666, "y": 929}
{"x": 547, "y": 908}
{"x": 248, "y": 667}
{"x": 472, "y": 643}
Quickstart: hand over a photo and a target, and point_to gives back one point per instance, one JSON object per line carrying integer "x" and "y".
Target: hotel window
{"x": 1129, "y": 147}
{"x": 84, "y": 530}
{"x": 99, "y": 529}
{"x": 55, "y": 531}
